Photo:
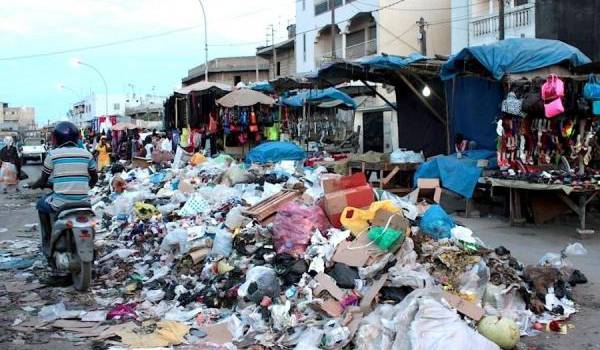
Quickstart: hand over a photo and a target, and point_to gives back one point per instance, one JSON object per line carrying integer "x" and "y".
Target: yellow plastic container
{"x": 358, "y": 220}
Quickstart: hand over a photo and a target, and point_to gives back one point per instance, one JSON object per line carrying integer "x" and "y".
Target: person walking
{"x": 10, "y": 170}
{"x": 103, "y": 151}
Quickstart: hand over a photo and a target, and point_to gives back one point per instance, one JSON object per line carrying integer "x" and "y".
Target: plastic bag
{"x": 176, "y": 241}
{"x": 575, "y": 249}
{"x": 473, "y": 282}
{"x": 310, "y": 339}
{"x": 57, "y": 311}
{"x": 266, "y": 282}
{"x": 222, "y": 244}
{"x": 436, "y": 223}
{"x": 8, "y": 173}
{"x": 154, "y": 295}
{"x": 435, "y": 327}
{"x": 234, "y": 218}
{"x": 293, "y": 227}
{"x": 408, "y": 208}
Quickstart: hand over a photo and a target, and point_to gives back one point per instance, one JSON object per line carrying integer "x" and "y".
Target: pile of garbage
{"x": 221, "y": 255}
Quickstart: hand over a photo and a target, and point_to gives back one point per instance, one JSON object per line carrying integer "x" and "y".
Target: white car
{"x": 34, "y": 148}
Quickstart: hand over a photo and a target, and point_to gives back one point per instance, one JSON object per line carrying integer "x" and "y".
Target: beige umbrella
{"x": 245, "y": 98}
{"x": 203, "y": 86}
{"x": 123, "y": 126}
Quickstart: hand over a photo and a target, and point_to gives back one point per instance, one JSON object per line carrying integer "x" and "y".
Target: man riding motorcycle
{"x": 69, "y": 169}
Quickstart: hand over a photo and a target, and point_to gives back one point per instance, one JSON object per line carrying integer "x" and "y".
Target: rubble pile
{"x": 218, "y": 255}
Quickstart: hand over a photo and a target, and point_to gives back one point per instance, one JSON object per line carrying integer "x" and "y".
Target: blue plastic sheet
{"x": 262, "y": 86}
{"x": 516, "y": 55}
{"x": 473, "y": 106}
{"x": 436, "y": 223}
{"x": 275, "y": 152}
{"x": 457, "y": 175}
{"x": 390, "y": 61}
{"x": 326, "y": 95}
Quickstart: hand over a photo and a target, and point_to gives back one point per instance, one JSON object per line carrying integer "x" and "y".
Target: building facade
{"x": 281, "y": 56}
{"x": 230, "y": 70}
{"x": 399, "y": 27}
{"x": 16, "y": 118}
{"x": 93, "y": 106}
{"x": 354, "y": 31}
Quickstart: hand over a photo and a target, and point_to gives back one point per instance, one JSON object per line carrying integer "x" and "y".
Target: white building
{"x": 94, "y": 106}
{"x": 355, "y": 31}
{"x": 475, "y": 22}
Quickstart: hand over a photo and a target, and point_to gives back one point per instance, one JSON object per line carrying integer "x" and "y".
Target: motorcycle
{"x": 69, "y": 247}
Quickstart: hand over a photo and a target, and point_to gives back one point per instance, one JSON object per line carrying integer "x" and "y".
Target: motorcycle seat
{"x": 74, "y": 205}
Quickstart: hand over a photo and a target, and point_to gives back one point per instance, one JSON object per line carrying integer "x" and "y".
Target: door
{"x": 373, "y": 132}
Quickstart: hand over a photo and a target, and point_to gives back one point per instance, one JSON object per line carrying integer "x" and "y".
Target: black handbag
{"x": 532, "y": 100}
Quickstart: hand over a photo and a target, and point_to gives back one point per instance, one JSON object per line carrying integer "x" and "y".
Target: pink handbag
{"x": 553, "y": 108}
{"x": 553, "y": 88}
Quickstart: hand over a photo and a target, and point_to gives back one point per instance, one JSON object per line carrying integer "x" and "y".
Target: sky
{"x": 154, "y": 65}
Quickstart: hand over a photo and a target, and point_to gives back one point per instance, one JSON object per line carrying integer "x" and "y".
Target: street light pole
{"x": 78, "y": 62}
{"x": 205, "y": 42}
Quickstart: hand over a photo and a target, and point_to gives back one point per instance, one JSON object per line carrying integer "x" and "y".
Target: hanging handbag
{"x": 596, "y": 108}
{"x": 583, "y": 106}
{"x": 512, "y": 105}
{"x": 553, "y": 88}
{"x": 253, "y": 128}
{"x": 242, "y": 138}
{"x": 591, "y": 90}
{"x": 554, "y": 108}
{"x": 532, "y": 100}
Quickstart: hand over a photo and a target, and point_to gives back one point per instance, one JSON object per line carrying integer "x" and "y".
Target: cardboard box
{"x": 430, "y": 185}
{"x": 464, "y": 307}
{"x": 339, "y": 183}
{"x": 334, "y": 203}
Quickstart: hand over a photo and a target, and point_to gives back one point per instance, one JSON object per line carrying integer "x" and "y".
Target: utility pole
{"x": 423, "y": 36}
{"x": 332, "y": 6}
{"x": 274, "y": 52}
{"x": 501, "y": 19}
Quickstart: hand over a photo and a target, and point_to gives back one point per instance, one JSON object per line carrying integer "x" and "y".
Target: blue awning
{"x": 316, "y": 96}
{"x": 262, "y": 86}
{"x": 390, "y": 61}
{"x": 517, "y": 55}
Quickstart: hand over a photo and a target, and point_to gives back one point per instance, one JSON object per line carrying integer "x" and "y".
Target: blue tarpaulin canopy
{"x": 317, "y": 96}
{"x": 262, "y": 86}
{"x": 390, "y": 61}
{"x": 517, "y": 55}
{"x": 275, "y": 152}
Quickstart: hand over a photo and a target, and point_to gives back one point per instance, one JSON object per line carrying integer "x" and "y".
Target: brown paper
{"x": 367, "y": 299}
{"x": 199, "y": 255}
{"x": 217, "y": 333}
{"x": 332, "y": 307}
{"x": 466, "y": 308}
{"x": 326, "y": 282}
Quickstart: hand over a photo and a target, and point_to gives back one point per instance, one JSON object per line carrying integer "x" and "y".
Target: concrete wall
{"x": 17, "y": 117}
{"x": 575, "y": 22}
{"x": 308, "y": 25}
{"x": 247, "y": 76}
{"x": 399, "y": 21}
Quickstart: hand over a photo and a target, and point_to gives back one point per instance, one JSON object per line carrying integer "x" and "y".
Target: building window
{"x": 322, "y": 6}
{"x": 116, "y": 106}
{"x": 521, "y": 2}
{"x": 237, "y": 79}
{"x": 304, "y": 47}
{"x": 278, "y": 68}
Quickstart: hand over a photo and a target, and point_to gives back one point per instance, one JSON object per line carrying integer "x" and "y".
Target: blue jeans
{"x": 43, "y": 207}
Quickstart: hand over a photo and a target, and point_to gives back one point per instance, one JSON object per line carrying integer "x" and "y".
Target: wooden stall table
{"x": 582, "y": 198}
{"x": 403, "y": 172}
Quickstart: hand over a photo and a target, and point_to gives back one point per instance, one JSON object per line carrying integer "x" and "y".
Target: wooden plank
{"x": 390, "y": 176}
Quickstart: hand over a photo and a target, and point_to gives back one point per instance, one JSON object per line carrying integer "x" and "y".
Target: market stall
{"x": 538, "y": 115}
{"x": 246, "y": 117}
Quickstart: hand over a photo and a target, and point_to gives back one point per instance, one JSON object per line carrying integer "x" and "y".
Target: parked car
{"x": 34, "y": 148}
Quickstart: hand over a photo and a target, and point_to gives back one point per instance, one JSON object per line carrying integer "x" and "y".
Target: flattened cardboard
{"x": 367, "y": 299}
{"x": 199, "y": 255}
{"x": 357, "y": 197}
{"x": 464, "y": 307}
{"x": 217, "y": 333}
{"x": 332, "y": 307}
{"x": 20, "y": 287}
{"x": 72, "y": 324}
{"x": 338, "y": 183}
{"x": 185, "y": 186}
{"x": 353, "y": 257}
{"x": 326, "y": 282}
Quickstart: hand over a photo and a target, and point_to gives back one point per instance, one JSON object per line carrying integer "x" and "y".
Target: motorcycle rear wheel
{"x": 82, "y": 278}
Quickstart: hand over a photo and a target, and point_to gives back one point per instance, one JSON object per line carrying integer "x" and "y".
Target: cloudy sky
{"x": 175, "y": 43}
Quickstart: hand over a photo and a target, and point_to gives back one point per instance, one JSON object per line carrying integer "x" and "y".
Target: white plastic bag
{"x": 575, "y": 249}
{"x": 234, "y": 218}
{"x": 222, "y": 244}
{"x": 176, "y": 241}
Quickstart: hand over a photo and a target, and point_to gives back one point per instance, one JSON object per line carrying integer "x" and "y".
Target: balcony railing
{"x": 518, "y": 21}
{"x": 361, "y": 49}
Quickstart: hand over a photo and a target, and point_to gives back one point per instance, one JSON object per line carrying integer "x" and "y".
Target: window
{"x": 304, "y": 47}
{"x": 521, "y": 2}
{"x": 116, "y": 106}
{"x": 237, "y": 79}
{"x": 303, "y": 5}
{"x": 278, "y": 69}
{"x": 322, "y": 6}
